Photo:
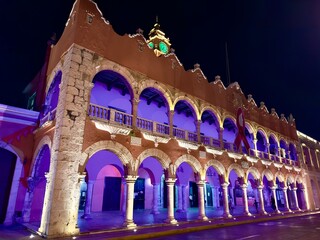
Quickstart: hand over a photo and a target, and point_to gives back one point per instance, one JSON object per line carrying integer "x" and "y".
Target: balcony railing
{"x": 51, "y": 115}
{"x": 117, "y": 117}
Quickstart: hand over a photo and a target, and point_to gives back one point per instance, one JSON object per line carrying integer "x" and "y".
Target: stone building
{"x": 125, "y": 127}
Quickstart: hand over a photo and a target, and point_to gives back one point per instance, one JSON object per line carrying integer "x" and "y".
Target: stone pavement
{"x": 148, "y": 226}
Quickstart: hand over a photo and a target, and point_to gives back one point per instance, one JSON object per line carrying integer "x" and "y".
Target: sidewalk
{"x": 27, "y": 231}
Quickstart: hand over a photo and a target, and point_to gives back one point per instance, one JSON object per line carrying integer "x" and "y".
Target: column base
{"x": 129, "y": 224}
{"x": 171, "y": 221}
{"x": 277, "y": 211}
{"x": 155, "y": 212}
{"x": 203, "y": 218}
{"x": 227, "y": 215}
{"x": 86, "y": 216}
{"x": 263, "y": 213}
{"x": 247, "y": 214}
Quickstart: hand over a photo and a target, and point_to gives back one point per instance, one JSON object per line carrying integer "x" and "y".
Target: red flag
{"x": 241, "y": 130}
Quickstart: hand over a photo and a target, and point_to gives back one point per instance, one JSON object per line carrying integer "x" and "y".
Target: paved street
{"x": 307, "y": 227}
{"x": 287, "y": 226}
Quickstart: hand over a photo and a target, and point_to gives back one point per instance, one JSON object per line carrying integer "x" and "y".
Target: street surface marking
{"x": 252, "y": 236}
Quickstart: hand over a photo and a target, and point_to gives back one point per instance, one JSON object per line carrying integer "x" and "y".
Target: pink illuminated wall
{"x": 98, "y": 189}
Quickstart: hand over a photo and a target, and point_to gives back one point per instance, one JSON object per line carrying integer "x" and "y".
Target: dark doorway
{"x": 7, "y": 166}
{"x": 209, "y": 195}
{"x": 139, "y": 191}
{"x": 111, "y": 194}
{"x": 193, "y": 194}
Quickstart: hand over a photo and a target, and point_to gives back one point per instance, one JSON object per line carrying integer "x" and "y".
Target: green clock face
{"x": 163, "y": 47}
{"x": 151, "y": 44}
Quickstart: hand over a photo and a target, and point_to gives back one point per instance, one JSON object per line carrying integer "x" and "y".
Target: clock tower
{"x": 157, "y": 41}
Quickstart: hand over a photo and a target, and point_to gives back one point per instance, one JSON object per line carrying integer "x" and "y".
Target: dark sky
{"x": 274, "y": 45}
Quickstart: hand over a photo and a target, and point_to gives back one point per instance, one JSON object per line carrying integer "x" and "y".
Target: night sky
{"x": 274, "y": 45}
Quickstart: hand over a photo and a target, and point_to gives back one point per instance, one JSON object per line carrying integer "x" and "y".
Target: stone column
{"x": 262, "y": 211}
{"x": 156, "y": 199}
{"x": 255, "y": 140}
{"x": 171, "y": 113}
{"x": 220, "y": 131}
{"x": 124, "y": 197}
{"x": 273, "y": 189}
{"x": 268, "y": 148}
{"x": 130, "y": 196}
{"x": 226, "y": 212}
{"x": 202, "y": 214}
{"x": 135, "y": 103}
{"x": 245, "y": 200}
{"x": 26, "y": 211}
{"x": 296, "y": 199}
{"x": 179, "y": 191}
{"x": 87, "y": 209}
{"x": 170, "y": 194}
{"x": 286, "y": 202}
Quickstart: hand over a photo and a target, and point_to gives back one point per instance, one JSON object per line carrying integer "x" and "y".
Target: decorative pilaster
{"x": 130, "y": 196}
{"x": 124, "y": 197}
{"x": 184, "y": 198}
{"x": 268, "y": 148}
{"x": 262, "y": 211}
{"x": 170, "y": 187}
{"x": 220, "y": 131}
{"x": 198, "y": 125}
{"x": 226, "y": 212}
{"x": 156, "y": 199}
{"x": 245, "y": 200}
{"x": 47, "y": 202}
{"x": 273, "y": 190}
{"x": 286, "y": 202}
{"x": 171, "y": 113}
{"x": 180, "y": 200}
{"x": 201, "y": 206}
{"x": 135, "y": 103}
{"x": 87, "y": 209}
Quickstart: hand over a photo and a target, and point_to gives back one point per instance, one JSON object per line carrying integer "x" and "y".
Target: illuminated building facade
{"x": 125, "y": 127}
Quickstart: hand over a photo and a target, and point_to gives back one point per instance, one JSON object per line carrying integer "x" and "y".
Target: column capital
{"x": 260, "y": 187}
{"x": 244, "y": 186}
{"x": 170, "y": 181}
{"x": 201, "y": 182}
{"x": 224, "y": 185}
{"x": 273, "y": 188}
{"x": 294, "y": 189}
{"x": 131, "y": 178}
{"x": 284, "y": 188}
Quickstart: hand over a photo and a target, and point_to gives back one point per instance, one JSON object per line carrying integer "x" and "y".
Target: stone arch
{"x": 111, "y": 66}
{"x": 218, "y": 166}
{"x": 280, "y": 176}
{"x": 290, "y": 179}
{"x": 153, "y": 84}
{"x": 52, "y": 76}
{"x": 298, "y": 179}
{"x": 189, "y": 101}
{"x": 250, "y": 128}
{"x": 163, "y": 158}
{"x": 268, "y": 174}
{"x": 194, "y": 163}
{"x": 214, "y": 111}
{"x": 275, "y": 137}
{"x": 121, "y": 151}
{"x": 46, "y": 140}
{"x": 263, "y": 132}
{"x": 232, "y": 118}
{"x": 237, "y": 168}
{"x": 254, "y": 171}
